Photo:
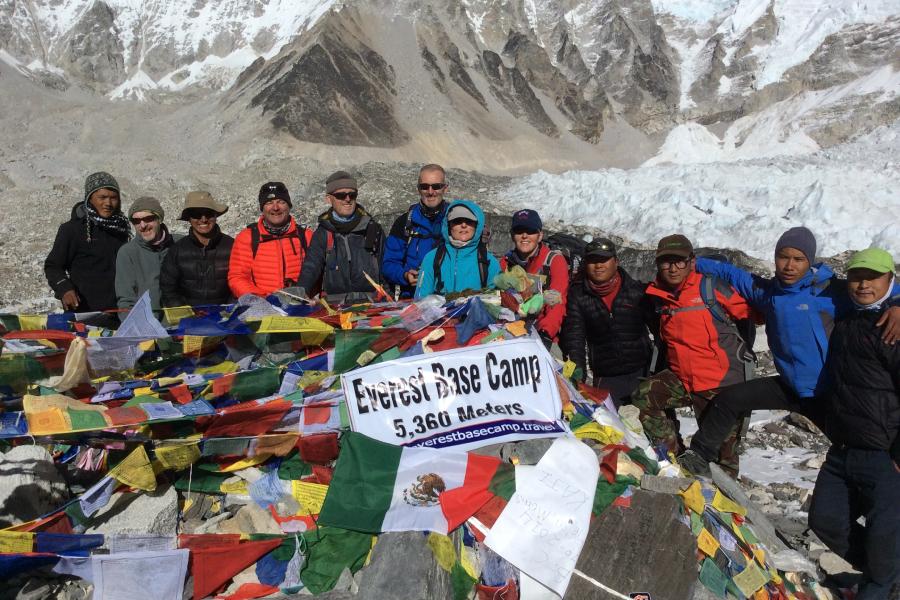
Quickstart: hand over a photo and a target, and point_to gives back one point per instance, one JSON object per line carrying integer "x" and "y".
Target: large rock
{"x": 403, "y": 568}
{"x": 623, "y": 552}
{"x": 30, "y": 485}
{"x": 148, "y": 513}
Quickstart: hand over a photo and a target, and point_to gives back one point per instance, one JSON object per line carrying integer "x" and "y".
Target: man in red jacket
{"x": 530, "y": 253}
{"x": 267, "y": 255}
{"x": 703, "y": 353}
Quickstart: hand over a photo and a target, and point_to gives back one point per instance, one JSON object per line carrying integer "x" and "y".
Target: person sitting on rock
{"x": 346, "y": 247}
{"x": 606, "y": 325}
{"x": 462, "y": 262}
{"x": 268, "y": 255}
{"x": 861, "y": 474}
{"x": 416, "y": 232}
{"x": 139, "y": 261}
{"x": 81, "y": 266}
{"x": 195, "y": 271}
{"x": 704, "y": 353}
{"x": 799, "y": 305}
{"x": 536, "y": 258}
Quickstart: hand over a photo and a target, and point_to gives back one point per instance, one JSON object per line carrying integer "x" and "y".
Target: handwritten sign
{"x": 464, "y": 398}
{"x": 542, "y": 529}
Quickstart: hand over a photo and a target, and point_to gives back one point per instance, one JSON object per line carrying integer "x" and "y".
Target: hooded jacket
{"x": 275, "y": 265}
{"x": 799, "y": 318}
{"x": 459, "y": 269}
{"x": 339, "y": 260}
{"x": 194, "y": 274}
{"x": 89, "y": 268}
{"x": 137, "y": 270}
{"x": 412, "y": 236}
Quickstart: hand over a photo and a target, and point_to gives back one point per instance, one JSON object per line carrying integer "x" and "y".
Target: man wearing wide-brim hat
{"x": 195, "y": 271}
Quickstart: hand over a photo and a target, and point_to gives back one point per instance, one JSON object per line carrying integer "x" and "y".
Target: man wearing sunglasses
{"x": 415, "y": 233}
{"x": 346, "y": 247}
{"x": 268, "y": 255}
{"x": 606, "y": 325}
{"x": 195, "y": 270}
{"x": 704, "y": 354}
{"x": 139, "y": 261}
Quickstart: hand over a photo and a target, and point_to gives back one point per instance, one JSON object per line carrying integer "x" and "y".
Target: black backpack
{"x": 441, "y": 252}
{"x": 571, "y": 247}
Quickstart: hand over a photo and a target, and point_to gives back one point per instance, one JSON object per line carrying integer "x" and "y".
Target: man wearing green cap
{"x": 861, "y": 474}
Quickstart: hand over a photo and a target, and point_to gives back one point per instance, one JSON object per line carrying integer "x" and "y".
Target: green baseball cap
{"x": 875, "y": 259}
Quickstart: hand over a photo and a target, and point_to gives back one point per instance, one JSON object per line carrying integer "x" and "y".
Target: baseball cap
{"x": 600, "y": 247}
{"x": 527, "y": 220}
{"x": 674, "y": 245}
{"x": 876, "y": 259}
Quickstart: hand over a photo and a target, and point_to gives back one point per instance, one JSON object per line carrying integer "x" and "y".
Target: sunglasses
{"x": 199, "y": 214}
{"x": 345, "y": 195}
{"x": 468, "y": 222}
{"x": 520, "y": 231}
{"x": 147, "y": 219}
{"x": 424, "y": 187}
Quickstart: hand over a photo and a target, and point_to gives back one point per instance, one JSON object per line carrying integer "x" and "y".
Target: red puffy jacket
{"x": 702, "y": 351}
{"x": 550, "y": 318}
{"x": 277, "y": 262}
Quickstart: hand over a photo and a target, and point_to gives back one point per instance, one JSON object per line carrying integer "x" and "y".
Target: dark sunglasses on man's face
{"x": 199, "y": 214}
{"x": 147, "y": 219}
{"x": 345, "y": 195}
{"x": 424, "y": 187}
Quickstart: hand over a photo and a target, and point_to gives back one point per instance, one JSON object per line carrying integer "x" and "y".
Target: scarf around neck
{"x": 117, "y": 224}
{"x": 877, "y": 304}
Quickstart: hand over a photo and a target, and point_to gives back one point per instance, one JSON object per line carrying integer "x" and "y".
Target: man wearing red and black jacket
{"x": 537, "y": 258}
{"x": 703, "y": 353}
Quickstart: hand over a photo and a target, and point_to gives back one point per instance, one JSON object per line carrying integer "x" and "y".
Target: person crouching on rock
{"x": 81, "y": 266}
{"x": 462, "y": 262}
{"x": 195, "y": 271}
{"x": 861, "y": 474}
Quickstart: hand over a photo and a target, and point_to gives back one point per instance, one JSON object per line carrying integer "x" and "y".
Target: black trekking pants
{"x": 732, "y": 402}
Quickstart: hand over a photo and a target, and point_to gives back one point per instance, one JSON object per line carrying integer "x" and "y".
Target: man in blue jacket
{"x": 416, "y": 232}
{"x": 800, "y": 305}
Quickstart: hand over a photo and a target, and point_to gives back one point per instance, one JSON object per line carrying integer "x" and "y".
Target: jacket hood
{"x": 816, "y": 275}
{"x": 479, "y": 214}
{"x": 78, "y": 211}
{"x": 328, "y": 223}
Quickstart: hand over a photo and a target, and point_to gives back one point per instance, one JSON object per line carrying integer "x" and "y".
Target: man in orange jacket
{"x": 703, "y": 353}
{"x": 267, "y": 255}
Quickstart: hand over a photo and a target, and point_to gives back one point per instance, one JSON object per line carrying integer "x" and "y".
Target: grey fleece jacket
{"x": 137, "y": 270}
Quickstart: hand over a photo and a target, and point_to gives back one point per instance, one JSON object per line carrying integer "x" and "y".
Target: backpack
{"x": 571, "y": 247}
{"x": 441, "y": 252}
{"x": 372, "y": 242}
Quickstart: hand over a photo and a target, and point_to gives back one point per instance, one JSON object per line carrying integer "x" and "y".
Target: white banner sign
{"x": 462, "y": 398}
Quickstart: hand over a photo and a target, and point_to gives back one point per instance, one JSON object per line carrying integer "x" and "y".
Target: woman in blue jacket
{"x": 462, "y": 262}
{"x": 800, "y": 305}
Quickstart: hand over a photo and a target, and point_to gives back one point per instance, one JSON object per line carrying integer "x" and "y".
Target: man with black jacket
{"x": 606, "y": 323}
{"x": 195, "y": 271}
{"x": 861, "y": 474}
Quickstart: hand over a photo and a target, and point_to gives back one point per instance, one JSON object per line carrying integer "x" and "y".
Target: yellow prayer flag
{"x": 568, "y": 369}
{"x": 241, "y": 486}
{"x": 16, "y": 542}
{"x": 311, "y": 496}
{"x": 46, "y": 422}
{"x": 147, "y": 345}
{"x": 626, "y": 466}
{"x": 750, "y": 579}
{"x": 707, "y": 543}
{"x": 136, "y": 471}
{"x": 467, "y": 559}
{"x": 517, "y": 328}
{"x": 224, "y": 367}
{"x": 178, "y": 456}
{"x": 723, "y": 503}
{"x": 175, "y": 314}
{"x": 312, "y": 331}
{"x": 31, "y": 403}
{"x": 442, "y": 548}
{"x": 244, "y": 463}
{"x": 32, "y": 322}
{"x": 601, "y": 433}
{"x": 693, "y": 498}
{"x": 346, "y": 320}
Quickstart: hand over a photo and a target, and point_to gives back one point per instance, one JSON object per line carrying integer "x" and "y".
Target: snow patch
{"x": 134, "y": 87}
{"x": 699, "y": 11}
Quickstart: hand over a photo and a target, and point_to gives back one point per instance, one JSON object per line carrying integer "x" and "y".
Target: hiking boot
{"x": 693, "y": 463}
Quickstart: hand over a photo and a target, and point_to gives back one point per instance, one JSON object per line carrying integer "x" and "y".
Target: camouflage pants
{"x": 658, "y": 396}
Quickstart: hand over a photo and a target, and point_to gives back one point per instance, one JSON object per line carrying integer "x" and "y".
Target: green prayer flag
{"x": 75, "y": 513}
{"x": 696, "y": 523}
{"x": 18, "y": 371}
{"x": 503, "y": 483}
{"x": 711, "y": 577}
{"x": 87, "y": 419}
{"x": 202, "y": 482}
{"x": 461, "y": 581}
{"x": 330, "y": 551}
{"x": 349, "y": 344}
{"x": 607, "y": 492}
{"x": 578, "y": 420}
{"x": 258, "y": 383}
{"x": 640, "y": 457}
{"x": 293, "y": 467}
{"x": 749, "y": 537}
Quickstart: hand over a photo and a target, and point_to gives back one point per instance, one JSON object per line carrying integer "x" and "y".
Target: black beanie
{"x": 800, "y": 238}
{"x": 273, "y": 190}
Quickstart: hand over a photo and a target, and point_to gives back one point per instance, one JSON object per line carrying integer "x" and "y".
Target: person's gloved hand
{"x": 532, "y": 306}
{"x": 552, "y": 297}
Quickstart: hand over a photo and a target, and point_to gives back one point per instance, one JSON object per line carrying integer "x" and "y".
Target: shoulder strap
{"x": 439, "y": 254}
{"x": 483, "y": 263}
{"x": 300, "y": 232}
{"x": 708, "y": 287}
{"x": 545, "y": 268}
{"x": 373, "y": 237}
{"x": 254, "y": 238}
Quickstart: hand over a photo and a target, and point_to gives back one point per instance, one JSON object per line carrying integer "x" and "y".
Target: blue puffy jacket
{"x": 799, "y": 317}
{"x": 412, "y": 236}
{"x": 459, "y": 269}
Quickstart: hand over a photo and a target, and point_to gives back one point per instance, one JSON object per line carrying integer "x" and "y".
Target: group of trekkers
{"x": 683, "y": 339}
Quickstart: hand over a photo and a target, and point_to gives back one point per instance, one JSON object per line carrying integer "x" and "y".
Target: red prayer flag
{"x": 321, "y": 448}
{"x": 248, "y": 418}
{"x": 249, "y": 591}
{"x": 214, "y": 566}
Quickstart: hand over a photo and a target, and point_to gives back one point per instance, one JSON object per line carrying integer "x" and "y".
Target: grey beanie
{"x": 149, "y": 204}
{"x": 338, "y": 180}
{"x": 800, "y": 238}
{"x": 98, "y": 181}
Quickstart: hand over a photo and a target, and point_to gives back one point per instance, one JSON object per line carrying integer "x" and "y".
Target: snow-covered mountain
{"x": 595, "y": 81}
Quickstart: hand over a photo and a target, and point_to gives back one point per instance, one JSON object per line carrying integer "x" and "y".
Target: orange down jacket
{"x": 277, "y": 262}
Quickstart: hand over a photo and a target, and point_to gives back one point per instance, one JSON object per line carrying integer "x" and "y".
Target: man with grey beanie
{"x": 346, "y": 247}
{"x": 81, "y": 266}
{"x": 138, "y": 262}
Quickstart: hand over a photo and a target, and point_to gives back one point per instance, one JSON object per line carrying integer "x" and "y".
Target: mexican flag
{"x": 379, "y": 487}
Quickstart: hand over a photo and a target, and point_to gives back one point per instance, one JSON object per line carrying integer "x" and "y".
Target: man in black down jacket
{"x": 606, "y": 323}
{"x": 195, "y": 270}
{"x": 861, "y": 474}
{"x": 81, "y": 266}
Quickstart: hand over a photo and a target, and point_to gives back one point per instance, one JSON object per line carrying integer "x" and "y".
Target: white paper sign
{"x": 542, "y": 529}
{"x": 462, "y": 398}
